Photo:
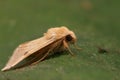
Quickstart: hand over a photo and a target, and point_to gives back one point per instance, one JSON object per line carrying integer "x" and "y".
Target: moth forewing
{"x": 53, "y": 41}
{"x": 25, "y": 50}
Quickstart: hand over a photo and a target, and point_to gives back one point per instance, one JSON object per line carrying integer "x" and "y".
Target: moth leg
{"x": 77, "y": 47}
{"x": 67, "y": 47}
{"x": 42, "y": 57}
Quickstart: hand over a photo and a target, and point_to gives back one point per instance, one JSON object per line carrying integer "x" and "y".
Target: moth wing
{"x": 26, "y": 49}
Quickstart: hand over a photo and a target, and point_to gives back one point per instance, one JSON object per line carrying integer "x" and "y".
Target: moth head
{"x": 71, "y": 38}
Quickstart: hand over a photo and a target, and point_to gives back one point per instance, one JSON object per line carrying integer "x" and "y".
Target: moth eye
{"x": 69, "y": 38}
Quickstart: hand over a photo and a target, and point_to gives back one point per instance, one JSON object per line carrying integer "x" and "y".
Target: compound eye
{"x": 69, "y": 38}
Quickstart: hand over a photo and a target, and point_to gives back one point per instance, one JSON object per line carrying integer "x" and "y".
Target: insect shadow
{"x": 57, "y": 54}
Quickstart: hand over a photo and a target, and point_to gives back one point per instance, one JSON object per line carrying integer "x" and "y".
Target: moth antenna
{"x": 71, "y": 53}
{"x": 77, "y": 47}
{"x": 42, "y": 57}
{"x": 67, "y": 47}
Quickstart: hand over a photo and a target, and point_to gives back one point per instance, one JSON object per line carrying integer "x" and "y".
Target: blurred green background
{"x": 95, "y": 22}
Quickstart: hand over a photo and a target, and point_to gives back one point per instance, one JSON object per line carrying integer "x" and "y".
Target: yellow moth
{"x": 54, "y": 40}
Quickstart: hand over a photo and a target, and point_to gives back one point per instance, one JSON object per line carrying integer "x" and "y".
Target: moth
{"x": 54, "y": 40}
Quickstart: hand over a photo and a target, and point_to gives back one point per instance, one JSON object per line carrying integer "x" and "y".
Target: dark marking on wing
{"x": 25, "y": 52}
